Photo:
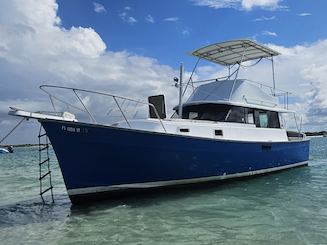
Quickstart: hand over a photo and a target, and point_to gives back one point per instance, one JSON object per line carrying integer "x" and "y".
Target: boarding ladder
{"x": 44, "y": 165}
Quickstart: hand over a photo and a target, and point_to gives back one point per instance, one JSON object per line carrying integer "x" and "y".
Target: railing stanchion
{"x": 80, "y": 100}
{"x": 121, "y": 111}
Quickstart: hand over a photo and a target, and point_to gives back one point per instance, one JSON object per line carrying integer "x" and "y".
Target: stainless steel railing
{"x": 85, "y": 109}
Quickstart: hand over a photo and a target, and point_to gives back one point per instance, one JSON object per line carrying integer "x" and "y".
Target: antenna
{"x": 180, "y": 107}
{"x": 273, "y": 74}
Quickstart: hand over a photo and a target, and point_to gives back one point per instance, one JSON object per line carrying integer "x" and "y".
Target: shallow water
{"x": 288, "y": 207}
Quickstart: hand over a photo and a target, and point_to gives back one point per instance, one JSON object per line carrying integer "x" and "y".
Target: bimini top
{"x": 231, "y": 52}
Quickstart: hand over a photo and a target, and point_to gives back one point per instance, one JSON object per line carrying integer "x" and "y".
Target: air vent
{"x": 266, "y": 147}
{"x": 218, "y": 132}
{"x": 184, "y": 130}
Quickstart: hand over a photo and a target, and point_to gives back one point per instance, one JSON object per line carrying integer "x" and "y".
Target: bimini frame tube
{"x": 273, "y": 74}
{"x": 236, "y": 75}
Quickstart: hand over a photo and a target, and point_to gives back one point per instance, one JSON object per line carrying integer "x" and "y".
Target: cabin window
{"x": 193, "y": 115}
{"x": 249, "y": 115}
{"x": 267, "y": 119}
{"x": 228, "y": 113}
{"x": 210, "y": 112}
{"x": 236, "y": 114}
{"x": 263, "y": 119}
{"x": 273, "y": 119}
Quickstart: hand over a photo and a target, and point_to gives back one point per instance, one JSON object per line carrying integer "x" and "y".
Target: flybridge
{"x": 232, "y": 54}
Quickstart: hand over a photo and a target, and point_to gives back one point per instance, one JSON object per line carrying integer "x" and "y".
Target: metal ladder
{"x": 44, "y": 164}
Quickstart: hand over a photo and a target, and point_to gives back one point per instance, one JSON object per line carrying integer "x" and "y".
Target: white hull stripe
{"x": 93, "y": 190}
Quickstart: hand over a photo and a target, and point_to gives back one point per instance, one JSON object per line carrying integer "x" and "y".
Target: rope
{"x": 252, "y": 64}
{"x": 12, "y": 129}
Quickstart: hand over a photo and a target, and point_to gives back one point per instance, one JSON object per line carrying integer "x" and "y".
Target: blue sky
{"x": 192, "y": 26}
{"x": 133, "y": 48}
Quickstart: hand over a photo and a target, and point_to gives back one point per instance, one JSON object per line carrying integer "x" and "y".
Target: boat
{"x": 227, "y": 128}
{"x": 8, "y": 149}
{"x": 3, "y": 150}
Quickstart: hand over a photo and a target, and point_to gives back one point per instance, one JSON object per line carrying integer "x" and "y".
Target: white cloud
{"x": 304, "y": 14}
{"x": 241, "y": 4}
{"x": 264, "y": 18}
{"x": 126, "y": 18}
{"x": 45, "y": 10}
{"x": 218, "y": 4}
{"x": 35, "y": 51}
{"x": 99, "y": 8}
{"x": 149, "y": 18}
{"x": 269, "y": 33}
{"x": 131, "y": 19}
{"x": 265, "y": 4}
{"x": 172, "y": 19}
{"x": 185, "y": 32}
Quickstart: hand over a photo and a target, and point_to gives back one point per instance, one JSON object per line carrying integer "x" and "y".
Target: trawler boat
{"x": 227, "y": 128}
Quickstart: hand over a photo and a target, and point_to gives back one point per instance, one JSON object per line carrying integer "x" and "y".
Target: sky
{"x": 134, "y": 48}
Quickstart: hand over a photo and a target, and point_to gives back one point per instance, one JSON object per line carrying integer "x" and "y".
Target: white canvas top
{"x": 244, "y": 94}
{"x": 231, "y": 52}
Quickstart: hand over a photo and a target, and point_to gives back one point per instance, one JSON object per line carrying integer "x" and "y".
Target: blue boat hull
{"x": 99, "y": 159}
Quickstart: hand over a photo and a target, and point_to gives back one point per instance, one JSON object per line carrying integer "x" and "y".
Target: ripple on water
{"x": 288, "y": 207}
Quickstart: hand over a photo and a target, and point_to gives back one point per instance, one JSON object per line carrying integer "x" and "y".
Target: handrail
{"x": 265, "y": 85}
{"x": 259, "y": 102}
{"x": 220, "y": 78}
{"x": 115, "y": 97}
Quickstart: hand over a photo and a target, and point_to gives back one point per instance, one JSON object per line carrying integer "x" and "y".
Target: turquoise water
{"x": 288, "y": 207}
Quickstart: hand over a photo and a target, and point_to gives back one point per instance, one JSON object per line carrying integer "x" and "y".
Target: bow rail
{"x": 122, "y": 107}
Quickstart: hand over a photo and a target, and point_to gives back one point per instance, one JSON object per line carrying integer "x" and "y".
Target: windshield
{"x": 211, "y": 112}
{"x": 230, "y": 113}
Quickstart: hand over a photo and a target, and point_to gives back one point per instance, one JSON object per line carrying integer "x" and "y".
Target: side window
{"x": 282, "y": 121}
{"x": 236, "y": 114}
{"x": 267, "y": 119}
{"x": 193, "y": 115}
{"x": 273, "y": 119}
{"x": 263, "y": 119}
{"x": 249, "y": 115}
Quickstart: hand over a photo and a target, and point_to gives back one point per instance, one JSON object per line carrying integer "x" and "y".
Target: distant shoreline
{"x": 320, "y": 133}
